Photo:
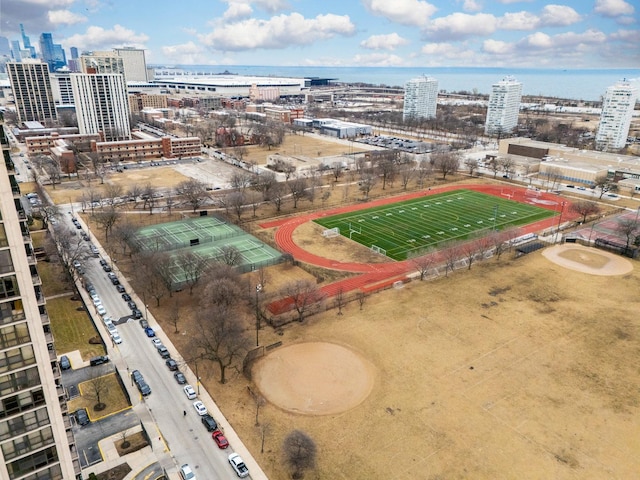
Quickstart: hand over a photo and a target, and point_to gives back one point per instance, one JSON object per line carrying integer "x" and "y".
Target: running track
{"x": 375, "y": 276}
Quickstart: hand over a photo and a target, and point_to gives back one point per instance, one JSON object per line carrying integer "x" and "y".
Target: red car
{"x": 220, "y": 439}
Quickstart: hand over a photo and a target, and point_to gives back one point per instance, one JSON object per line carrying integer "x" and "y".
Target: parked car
{"x": 186, "y": 473}
{"x": 209, "y": 423}
{"x": 143, "y": 323}
{"x": 126, "y": 297}
{"x": 65, "y": 364}
{"x": 103, "y": 262}
{"x": 84, "y": 236}
{"x": 94, "y": 250}
{"x": 238, "y": 465}
{"x": 180, "y": 378}
{"x": 120, "y": 288}
{"x": 110, "y": 327}
{"x": 149, "y": 332}
{"x": 82, "y": 417}
{"x": 117, "y": 339}
{"x": 132, "y": 305}
{"x": 136, "y": 314}
{"x": 144, "y": 389}
{"x": 162, "y": 350}
{"x": 106, "y": 268}
{"x": 76, "y": 264}
{"x": 200, "y": 408}
{"x": 99, "y": 360}
{"x": 115, "y": 281}
{"x": 171, "y": 364}
{"x": 189, "y": 392}
{"x": 101, "y": 310}
{"x": 156, "y": 342}
{"x": 96, "y": 299}
{"x": 220, "y": 439}
{"x": 137, "y": 377}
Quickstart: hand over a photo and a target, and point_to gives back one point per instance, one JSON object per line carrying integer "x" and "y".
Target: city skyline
{"x": 508, "y": 33}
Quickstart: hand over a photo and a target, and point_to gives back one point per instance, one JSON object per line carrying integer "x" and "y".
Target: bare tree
{"x": 305, "y": 297}
{"x": 297, "y": 187}
{"x": 362, "y": 298}
{"x": 146, "y": 275}
{"x": 423, "y": 171}
{"x": 451, "y": 253}
{"x": 194, "y": 192}
{"x": 113, "y": 192}
{"x": 585, "y": 208}
{"x": 241, "y": 180}
{"x": 446, "y": 163}
{"x": 472, "y": 165}
{"x": 124, "y": 437}
{"x": 53, "y": 170}
{"x": 605, "y": 185}
{"x": 336, "y": 170}
{"x": 407, "y": 171}
{"x": 174, "y": 315}
{"x": 366, "y": 183}
{"x": 387, "y": 168}
{"x": 230, "y": 255}
{"x": 133, "y": 193}
{"x": 124, "y": 234}
{"x": 99, "y": 382}
{"x": 276, "y": 196}
{"x": 192, "y": 267}
{"x": 507, "y": 164}
{"x": 300, "y": 453}
{"x": 263, "y": 183}
{"x": 553, "y": 174}
{"x": 629, "y": 228}
{"x": 107, "y": 218}
{"x": 424, "y": 264}
{"x": 222, "y": 338}
{"x": 235, "y": 202}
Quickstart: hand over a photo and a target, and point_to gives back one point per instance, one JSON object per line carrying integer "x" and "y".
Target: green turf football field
{"x": 404, "y": 229}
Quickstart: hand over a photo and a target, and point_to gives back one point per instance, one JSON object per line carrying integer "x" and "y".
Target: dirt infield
{"x": 314, "y": 378}
{"x": 588, "y": 260}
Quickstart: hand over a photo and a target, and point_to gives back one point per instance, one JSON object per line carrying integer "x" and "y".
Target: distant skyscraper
{"x": 101, "y": 104}
{"x": 32, "y": 91}
{"x": 52, "y": 53}
{"x": 615, "y": 119}
{"x": 35, "y": 425}
{"x": 504, "y": 107}
{"x": 135, "y": 65}
{"x": 5, "y": 48}
{"x": 420, "y": 98}
{"x": 16, "y": 51}
{"x": 27, "y": 43}
{"x": 74, "y": 52}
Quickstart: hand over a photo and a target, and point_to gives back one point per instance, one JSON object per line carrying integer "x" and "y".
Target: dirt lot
{"x": 517, "y": 369}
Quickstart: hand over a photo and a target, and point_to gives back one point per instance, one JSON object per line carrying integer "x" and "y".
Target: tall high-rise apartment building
{"x": 36, "y": 440}
{"x": 32, "y": 91}
{"x": 52, "y": 53}
{"x": 62, "y": 89}
{"x": 615, "y": 119}
{"x": 101, "y": 62}
{"x": 102, "y": 104}
{"x": 135, "y": 65}
{"x": 504, "y": 107}
{"x": 420, "y": 98}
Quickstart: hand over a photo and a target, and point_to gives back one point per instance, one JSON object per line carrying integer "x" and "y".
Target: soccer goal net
{"x": 331, "y": 232}
{"x": 377, "y": 249}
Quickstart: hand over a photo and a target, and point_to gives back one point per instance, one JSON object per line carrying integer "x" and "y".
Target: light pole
{"x": 495, "y": 217}
{"x": 258, "y": 289}
{"x": 562, "y": 204}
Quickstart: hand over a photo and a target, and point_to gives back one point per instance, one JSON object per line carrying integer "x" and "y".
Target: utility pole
{"x": 258, "y": 290}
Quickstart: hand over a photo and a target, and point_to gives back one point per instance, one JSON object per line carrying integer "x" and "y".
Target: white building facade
{"x": 420, "y": 98}
{"x": 102, "y": 105}
{"x": 615, "y": 119}
{"x": 504, "y": 106}
{"x": 32, "y": 92}
{"x": 135, "y": 64}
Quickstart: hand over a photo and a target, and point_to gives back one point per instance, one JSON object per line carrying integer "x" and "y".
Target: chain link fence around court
{"x": 183, "y": 233}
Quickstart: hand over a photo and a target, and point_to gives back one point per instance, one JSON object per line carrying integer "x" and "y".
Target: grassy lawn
{"x": 54, "y": 281}
{"x": 111, "y": 395}
{"x": 71, "y": 328}
{"x": 38, "y": 238}
{"x": 418, "y": 224}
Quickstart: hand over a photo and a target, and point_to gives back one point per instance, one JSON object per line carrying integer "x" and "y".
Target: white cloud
{"x": 568, "y": 41}
{"x": 278, "y": 32}
{"x": 519, "y": 21}
{"x": 269, "y": 6}
{"x": 97, "y": 38}
{"x": 613, "y": 8}
{"x": 50, "y": 3}
{"x": 445, "y": 49}
{"x": 384, "y": 42}
{"x": 631, "y": 36}
{"x": 378, "y": 60}
{"x": 497, "y": 47}
{"x": 471, "y": 6}
{"x": 237, "y": 11}
{"x": 462, "y": 25}
{"x": 508, "y": 2}
{"x": 405, "y": 12}
{"x": 188, "y": 53}
{"x": 558, "y": 16}
{"x": 65, "y": 17}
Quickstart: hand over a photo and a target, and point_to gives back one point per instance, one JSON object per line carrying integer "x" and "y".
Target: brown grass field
{"x": 515, "y": 369}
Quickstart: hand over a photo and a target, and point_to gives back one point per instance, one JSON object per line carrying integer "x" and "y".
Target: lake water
{"x": 572, "y": 84}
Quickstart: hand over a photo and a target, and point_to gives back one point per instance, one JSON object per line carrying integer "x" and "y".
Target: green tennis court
{"x": 405, "y": 229}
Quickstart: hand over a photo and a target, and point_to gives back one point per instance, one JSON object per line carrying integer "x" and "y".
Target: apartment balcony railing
{"x": 45, "y": 319}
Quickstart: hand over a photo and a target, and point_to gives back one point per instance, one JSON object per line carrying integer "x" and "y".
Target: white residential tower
{"x": 615, "y": 119}
{"x": 420, "y": 98}
{"x": 504, "y": 106}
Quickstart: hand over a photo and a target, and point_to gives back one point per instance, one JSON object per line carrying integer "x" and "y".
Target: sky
{"x": 570, "y": 34}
